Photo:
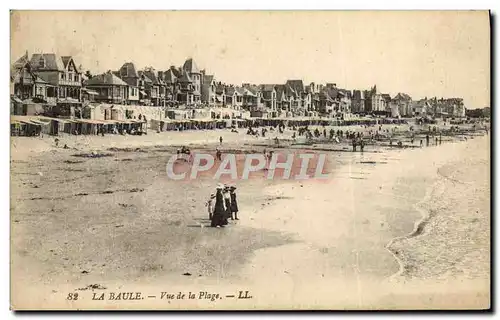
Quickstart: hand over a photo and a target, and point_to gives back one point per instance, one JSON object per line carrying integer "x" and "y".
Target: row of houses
{"x": 402, "y": 105}
{"x": 49, "y": 80}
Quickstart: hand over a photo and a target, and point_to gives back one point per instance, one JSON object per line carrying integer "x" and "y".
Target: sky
{"x": 422, "y": 53}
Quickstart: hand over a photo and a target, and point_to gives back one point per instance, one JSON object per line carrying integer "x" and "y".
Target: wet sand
{"x": 361, "y": 240}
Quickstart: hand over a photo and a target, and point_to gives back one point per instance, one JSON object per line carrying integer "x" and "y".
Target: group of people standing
{"x": 222, "y": 206}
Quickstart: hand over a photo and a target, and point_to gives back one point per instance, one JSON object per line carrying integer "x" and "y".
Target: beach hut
{"x": 25, "y": 126}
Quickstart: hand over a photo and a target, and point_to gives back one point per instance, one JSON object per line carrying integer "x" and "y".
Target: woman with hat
{"x": 234, "y": 203}
{"x": 227, "y": 203}
{"x": 219, "y": 209}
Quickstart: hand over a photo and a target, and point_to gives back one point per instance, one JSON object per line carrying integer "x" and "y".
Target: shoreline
{"x": 419, "y": 229}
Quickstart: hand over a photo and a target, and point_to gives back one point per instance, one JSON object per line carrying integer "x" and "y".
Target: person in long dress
{"x": 210, "y": 206}
{"x": 234, "y": 203}
{"x": 219, "y": 209}
{"x": 227, "y": 204}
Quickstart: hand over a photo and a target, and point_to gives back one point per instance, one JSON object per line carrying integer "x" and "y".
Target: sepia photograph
{"x": 250, "y": 160}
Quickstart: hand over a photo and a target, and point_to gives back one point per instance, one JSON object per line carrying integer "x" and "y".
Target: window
{"x": 41, "y": 62}
{"x": 62, "y": 76}
{"x": 76, "y": 78}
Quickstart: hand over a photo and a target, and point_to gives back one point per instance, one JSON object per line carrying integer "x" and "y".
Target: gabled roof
{"x": 281, "y": 96}
{"x": 128, "y": 70}
{"x": 248, "y": 92}
{"x": 176, "y": 72}
{"x": 240, "y": 91}
{"x": 281, "y": 92}
{"x": 143, "y": 75}
{"x": 66, "y": 60}
{"x": 190, "y": 66}
{"x": 386, "y": 96}
{"x": 27, "y": 77}
{"x": 19, "y": 64}
{"x": 252, "y": 88}
{"x": 185, "y": 78}
{"x": 402, "y": 96}
{"x": 329, "y": 93}
{"x": 169, "y": 77}
{"x": 152, "y": 74}
{"x": 52, "y": 62}
{"x": 291, "y": 92}
{"x": 297, "y": 85}
{"x": 105, "y": 79}
{"x": 325, "y": 95}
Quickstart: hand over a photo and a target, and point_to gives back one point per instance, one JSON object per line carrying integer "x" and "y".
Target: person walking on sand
{"x": 227, "y": 204}
{"x": 440, "y": 139}
{"x": 427, "y": 139}
{"x": 362, "y": 144}
{"x": 218, "y": 154}
{"x": 219, "y": 210}
{"x": 210, "y": 206}
{"x": 421, "y": 143}
{"x": 353, "y": 145}
{"x": 220, "y": 140}
{"x": 234, "y": 203}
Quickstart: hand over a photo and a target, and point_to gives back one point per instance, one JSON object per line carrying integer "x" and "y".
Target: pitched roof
{"x": 27, "y": 77}
{"x": 230, "y": 90}
{"x": 329, "y": 93}
{"x": 402, "y": 96}
{"x": 240, "y": 91}
{"x": 106, "y": 79}
{"x": 185, "y": 78}
{"x": 51, "y": 62}
{"x": 248, "y": 92}
{"x": 325, "y": 95}
{"x": 146, "y": 78}
{"x": 19, "y": 64}
{"x": 252, "y": 88}
{"x": 128, "y": 70}
{"x": 281, "y": 96}
{"x": 297, "y": 85}
{"x": 169, "y": 76}
{"x": 291, "y": 92}
{"x": 176, "y": 72}
{"x": 152, "y": 74}
{"x": 66, "y": 60}
{"x": 190, "y": 66}
{"x": 386, "y": 96}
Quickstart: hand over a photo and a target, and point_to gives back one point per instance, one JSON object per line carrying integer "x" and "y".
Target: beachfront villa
{"x": 47, "y": 80}
{"x": 109, "y": 88}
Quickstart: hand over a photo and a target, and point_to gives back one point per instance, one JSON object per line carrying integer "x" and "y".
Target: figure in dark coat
{"x": 234, "y": 204}
{"x": 219, "y": 210}
{"x": 227, "y": 203}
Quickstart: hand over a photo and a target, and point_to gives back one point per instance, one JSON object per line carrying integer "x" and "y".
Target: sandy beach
{"x": 390, "y": 228}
